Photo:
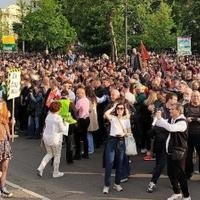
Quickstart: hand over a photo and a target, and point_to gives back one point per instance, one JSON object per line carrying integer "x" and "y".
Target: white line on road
{"x": 27, "y": 191}
{"x": 195, "y": 177}
{"x": 96, "y": 173}
{"x": 115, "y": 198}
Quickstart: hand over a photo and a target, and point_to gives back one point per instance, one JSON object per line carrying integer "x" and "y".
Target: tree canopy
{"x": 46, "y": 25}
{"x": 99, "y": 25}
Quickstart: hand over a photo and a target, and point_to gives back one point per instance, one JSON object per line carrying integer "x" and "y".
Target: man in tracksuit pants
{"x": 176, "y": 148}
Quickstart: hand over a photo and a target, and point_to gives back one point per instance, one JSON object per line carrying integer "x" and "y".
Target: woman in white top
{"x": 115, "y": 146}
{"x": 52, "y": 138}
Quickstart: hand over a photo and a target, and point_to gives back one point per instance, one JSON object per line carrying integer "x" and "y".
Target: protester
{"x": 176, "y": 147}
{"x": 52, "y": 138}
{"x": 147, "y": 111}
{"x": 115, "y": 146}
{"x": 67, "y": 112}
{"x": 34, "y": 109}
{"x": 5, "y": 149}
{"x": 192, "y": 113}
{"x": 160, "y": 136}
{"x": 82, "y": 109}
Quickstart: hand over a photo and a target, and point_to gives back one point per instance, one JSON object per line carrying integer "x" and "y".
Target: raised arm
{"x": 107, "y": 114}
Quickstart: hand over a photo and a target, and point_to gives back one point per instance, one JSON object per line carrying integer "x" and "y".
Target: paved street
{"x": 83, "y": 180}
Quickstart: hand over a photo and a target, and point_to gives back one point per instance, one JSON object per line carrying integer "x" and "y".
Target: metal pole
{"x": 126, "y": 27}
{"x": 23, "y": 42}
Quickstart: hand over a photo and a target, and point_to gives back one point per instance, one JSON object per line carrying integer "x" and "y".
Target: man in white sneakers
{"x": 176, "y": 148}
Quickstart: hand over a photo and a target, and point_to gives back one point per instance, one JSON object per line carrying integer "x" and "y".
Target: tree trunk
{"x": 113, "y": 37}
{"x": 23, "y": 46}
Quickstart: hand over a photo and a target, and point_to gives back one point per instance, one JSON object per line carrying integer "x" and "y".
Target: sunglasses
{"x": 120, "y": 108}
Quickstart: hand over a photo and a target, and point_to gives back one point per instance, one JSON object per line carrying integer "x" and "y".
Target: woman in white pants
{"x": 52, "y": 138}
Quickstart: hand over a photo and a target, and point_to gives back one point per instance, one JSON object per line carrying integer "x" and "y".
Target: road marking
{"x": 96, "y": 173}
{"x": 117, "y": 198}
{"x": 27, "y": 191}
{"x": 195, "y": 177}
{"x": 131, "y": 176}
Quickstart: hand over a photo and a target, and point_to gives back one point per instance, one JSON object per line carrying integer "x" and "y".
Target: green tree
{"x": 156, "y": 25}
{"x": 187, "y": 19}
{"x": 47, "y": 26}
{"x": 98, "y": 24}
{"x": 87, "y": 18}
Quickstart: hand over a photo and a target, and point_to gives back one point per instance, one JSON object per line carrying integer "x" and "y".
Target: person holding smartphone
{"x": 115, "y": 147}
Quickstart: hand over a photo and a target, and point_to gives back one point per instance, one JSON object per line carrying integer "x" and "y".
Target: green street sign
{"x": 9, "y": 47}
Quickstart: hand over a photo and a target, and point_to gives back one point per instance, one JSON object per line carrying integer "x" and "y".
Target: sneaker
{"x": 59, "y": 174}
{"x": 151, "y": 187}
{"x": 124, "y": 180}
{"x": 143, "y": 151}
{"x": 6, "y": 193}
{"x": 39, "y": 172}
{"x": 118, "y": 188}
{"x": 175, "y": 197}
{"x": 187, "y": 198}
{"x": 105, "y": 190}
{"x": 148, "y": 158}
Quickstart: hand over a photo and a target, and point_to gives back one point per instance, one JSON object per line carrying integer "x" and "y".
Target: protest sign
{"x": 184, "y": 46}
{"x": 14, "y": 85}
{"x": 14, "y": 80}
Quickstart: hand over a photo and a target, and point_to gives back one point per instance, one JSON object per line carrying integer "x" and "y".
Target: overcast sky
{"x": 5, "y": 3}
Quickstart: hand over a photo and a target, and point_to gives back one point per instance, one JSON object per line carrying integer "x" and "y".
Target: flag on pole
{"x": 144, "y": 53}
{"x": 163, "y": 62}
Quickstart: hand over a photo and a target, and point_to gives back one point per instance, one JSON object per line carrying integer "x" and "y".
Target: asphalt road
{"x": 83, "y": 180}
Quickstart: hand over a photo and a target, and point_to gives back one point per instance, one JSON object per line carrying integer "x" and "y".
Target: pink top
{"x": 53, "y": 95}
{"x": 82, "y": 106}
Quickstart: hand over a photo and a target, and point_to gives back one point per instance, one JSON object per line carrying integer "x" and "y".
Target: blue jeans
{"x": 33, "y": 125}
{"x": 90, "y": 143}
{"x": 125, "y": 167}
{"x": 115, "y": 149}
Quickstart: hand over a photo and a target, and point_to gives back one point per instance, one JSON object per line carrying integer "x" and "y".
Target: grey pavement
{"x": 83, "y": 180}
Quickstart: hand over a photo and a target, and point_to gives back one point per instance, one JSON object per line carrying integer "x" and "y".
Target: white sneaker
{"x": 39, "y": 172}
{"x": 187, "y": 198}
{"x": 151, "y": 187}
{"x": 105, "y": 190}
{"x": 175, "y": 197}
{"x": 118, "y": 188}
{"x": 59, "y": 174}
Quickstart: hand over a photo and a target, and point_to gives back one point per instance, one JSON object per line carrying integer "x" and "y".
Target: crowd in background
{"x": 143, "y": 86}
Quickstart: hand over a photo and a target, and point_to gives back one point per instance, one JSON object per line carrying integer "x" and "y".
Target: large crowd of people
{"x": 158, "y": 100}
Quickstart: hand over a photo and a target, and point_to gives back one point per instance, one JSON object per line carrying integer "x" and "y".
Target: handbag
{"x": 131, "y": 148}
{"x": 178, "y": 153}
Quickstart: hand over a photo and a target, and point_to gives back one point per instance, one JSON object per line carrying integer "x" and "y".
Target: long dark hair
{"x": 90, "y": 94}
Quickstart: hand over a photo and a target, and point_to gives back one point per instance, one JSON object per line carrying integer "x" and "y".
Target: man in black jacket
{"x": 160, "y": 137}
{"x": 192, "y": 113}
{"x": 176, "y": 147}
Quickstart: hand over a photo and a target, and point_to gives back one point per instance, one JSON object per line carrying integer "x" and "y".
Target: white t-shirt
{"x": 116, "y": 129}
{"x": 54, "y": 127}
